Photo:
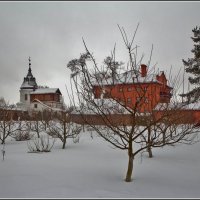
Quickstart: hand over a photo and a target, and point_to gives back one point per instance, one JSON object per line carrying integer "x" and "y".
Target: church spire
{"x": 29, "y": 81}
{"x": 29, "y": 69}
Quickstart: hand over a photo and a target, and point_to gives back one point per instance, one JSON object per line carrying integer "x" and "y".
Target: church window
{"x": 26, "y": 97}
{"x": 35, "y": 105}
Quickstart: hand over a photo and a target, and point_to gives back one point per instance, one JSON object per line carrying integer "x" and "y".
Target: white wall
{"x": 25, "y": 103}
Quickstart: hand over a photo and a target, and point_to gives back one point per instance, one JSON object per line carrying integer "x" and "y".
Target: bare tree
{"x": 22, "y": 133}
{"x": 61, "y": 127}
{"x": 130, "y": 126}
{"x": 171, "y": 123}
{"x": 7, "y": 125}
{"x": 168, "y": 129}
{"x": 41, "y": 144}
{"x": 36, "y": 125}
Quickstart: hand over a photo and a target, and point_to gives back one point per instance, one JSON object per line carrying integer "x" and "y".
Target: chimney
{"x": 143, "y": 70}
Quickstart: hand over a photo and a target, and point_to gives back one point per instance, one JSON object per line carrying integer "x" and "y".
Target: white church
{"x": 34, "y": 98}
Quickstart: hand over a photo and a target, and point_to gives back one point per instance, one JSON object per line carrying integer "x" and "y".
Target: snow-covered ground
{"x": 93, "y": 169}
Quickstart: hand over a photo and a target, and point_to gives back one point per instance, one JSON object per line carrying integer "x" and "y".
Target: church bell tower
{"x": 29, "y": 84}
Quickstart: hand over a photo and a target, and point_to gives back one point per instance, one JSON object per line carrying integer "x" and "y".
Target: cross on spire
{"x": 29, "y": 59}
{"x": 29, "y": 69}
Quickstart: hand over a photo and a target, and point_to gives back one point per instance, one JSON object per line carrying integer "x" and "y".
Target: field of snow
{"x": 93, "y": 169}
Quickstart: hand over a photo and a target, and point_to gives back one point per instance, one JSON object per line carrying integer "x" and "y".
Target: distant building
{"x": 131, "y": 87}
{"x": 35, "y": 98}
{"x": 151, "y": 91}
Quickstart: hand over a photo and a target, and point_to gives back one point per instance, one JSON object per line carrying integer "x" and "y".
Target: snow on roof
{"x": 178, "y": 105}
{"x": 127, "y": 77}
{"x": 27, "y": 84}
{"x": 46, "y": 91}
{"x": 192, "y": 106}
{"x": 163, "y": 106}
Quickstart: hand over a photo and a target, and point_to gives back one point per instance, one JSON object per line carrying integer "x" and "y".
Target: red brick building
{"x": 147, "y": 89}
{"x": 45, "y": 97}
{"x": 150, "y": 90}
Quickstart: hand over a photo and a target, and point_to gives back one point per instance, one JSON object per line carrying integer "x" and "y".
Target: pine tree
{"x": 192, "y": 66}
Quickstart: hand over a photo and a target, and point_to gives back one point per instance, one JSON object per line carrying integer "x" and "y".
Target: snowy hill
{"x": 93, "y": 169}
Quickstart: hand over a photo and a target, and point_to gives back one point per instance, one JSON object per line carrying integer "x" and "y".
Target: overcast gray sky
{"x": 51, "y": 34}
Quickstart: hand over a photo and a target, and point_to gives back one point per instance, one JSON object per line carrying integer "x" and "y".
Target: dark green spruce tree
{"x": 192, "y": 66}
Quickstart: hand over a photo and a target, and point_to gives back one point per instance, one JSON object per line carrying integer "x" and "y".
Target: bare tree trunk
{"x": 149, "y": 150}
{"x": 130, "y": 169}
{"x": 3, "y": 139}
{"x": 64, "y": 143}
{"x": 4, "y": 133}
{"x": 130, "y": 160}
{"x": 64, "y": 135}
{"x": 45, "y": 126}
{"x": 38, "y": 134}
{"x": 164, "y": 137}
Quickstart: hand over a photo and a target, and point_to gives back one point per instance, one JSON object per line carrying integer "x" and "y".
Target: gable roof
{"x": 128, "y": 77}
{"x": 46, "y": 91}
{"x": 178, "y": 105}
